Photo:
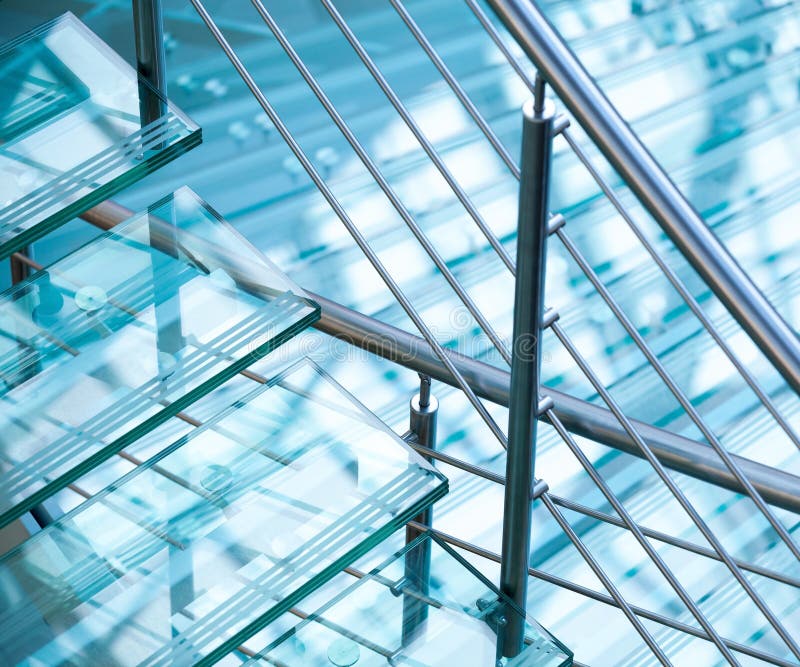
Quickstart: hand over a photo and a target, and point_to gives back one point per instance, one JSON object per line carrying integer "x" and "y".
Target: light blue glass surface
{"x": 712, "y": 88}
{"x": 401, "y": 613}
{"x": 71, "y": 130}
{"x": 115, "y": 338}
{"x": 183, "y": 559}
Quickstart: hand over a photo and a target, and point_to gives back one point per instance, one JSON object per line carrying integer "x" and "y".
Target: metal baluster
{"x": 358, "y": 237}
{"x": 148, "y": 31}
{"x": 424, "y": 413}
{"x": 679, "y": 394}
{"x": 381, "y": 181}
{"x": 676, "y": 491}
{"x": 537, "y": 144}
{"x": 430, "y": 151}
{"x": 673, "y": 278}
{"x": 652, "y": 186}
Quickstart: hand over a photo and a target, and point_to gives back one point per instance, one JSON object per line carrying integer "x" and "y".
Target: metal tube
{"x": 526, "y": 361}
{"x": 353, "y": 230}
{"x": 683, "y": 291}
{"x": 638, "y": 535}
{"x": 424, "y": 413}
{"x": 678, "y": 393}
{"x": 607, "y": 583}
{"x": 592, "y": 594}
{"x": 652, "y": 186}
{"x": 586, "y": 419}
{"x": 148, "y": 30}
{"x": 384, "y": 185}
{"x": 427, "y": 146}
{"x": 580, "y": 417}
{"x": 677, "y": 493}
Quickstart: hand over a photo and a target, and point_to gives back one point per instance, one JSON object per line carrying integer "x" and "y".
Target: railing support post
{"x": 538, "y": 117}
{"x": 709, "y": 256}
{"x": 148, "y": 29}
{"x": 424, "y": 412}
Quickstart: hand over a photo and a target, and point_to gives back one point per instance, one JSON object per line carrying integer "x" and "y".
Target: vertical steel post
{"x": 537, "y": 128}
{"x": 148, "y": 30}
{"x": 424, "y": 411}
{"x": 20, "y": 270}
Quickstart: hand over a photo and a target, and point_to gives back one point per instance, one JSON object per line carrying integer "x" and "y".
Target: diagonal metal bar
{"x": 683, "y": 291}
{"x": 702, "y": 526}
{"x": 575, "y": 506}
{"x": 456, "y": 87}
{"x": 607, "y": 583}
{"x": 376, "y": 174}
{"x": 608, "y": 600}
{"x": 427, "y": 146}
{"x": 641, "y": 539}
{"x": 358, "y": 237}
{"x": 678, "y": 393}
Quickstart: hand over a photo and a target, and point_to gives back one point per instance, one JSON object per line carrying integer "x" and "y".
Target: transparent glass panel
{"x": 424, "y": 607}
{"x": 203, "y": 545}
{"x": 76, "y": 126}
{"x": 131, "y": 328}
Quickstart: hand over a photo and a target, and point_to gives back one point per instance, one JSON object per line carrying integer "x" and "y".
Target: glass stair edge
{"x": 125, "y": 332}
{"x": 398, "y": 612}
{"x": 224, "y": 530}
{"x": 71, "y": 130}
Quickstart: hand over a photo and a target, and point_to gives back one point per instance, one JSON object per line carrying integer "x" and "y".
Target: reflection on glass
{"x": 70, "y": 129}
{"x": 126, "y": 331}
{"x": 401, "y": 614}
{"x": 224, "y": 530}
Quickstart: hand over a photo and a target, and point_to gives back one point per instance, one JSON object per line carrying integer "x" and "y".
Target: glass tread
{"x": 128, "y": 330}
{"x": 397, "y": 614}
{"x": 224, "y": 530}
{"x": 77, "y": 125}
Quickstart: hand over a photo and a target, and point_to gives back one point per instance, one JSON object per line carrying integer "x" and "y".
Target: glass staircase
{"x": 256, "y": 478}
{"x": 72, "y": 134}
{"x": 712, "y": 89}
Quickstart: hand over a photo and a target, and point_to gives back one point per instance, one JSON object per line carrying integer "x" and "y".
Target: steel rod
{"x": 683, "y": 291}
{"x": 678, "y": 393}
{"x": 356, "y": 234}
{"x": 580, "y": 417}
{"x": 148, "y": 29}
{"x": 652, "y": 186}
{"x": 607, "y": 583}
{"x": 537, "y": 145}
{"x": 639, "y": 536}
{"x": 424, "y": 412}
{"x": 608, "y": 600}
{"x": 427, "y": 146}
{"x": 384, "y": 185}
{"x": 702, "y": 526}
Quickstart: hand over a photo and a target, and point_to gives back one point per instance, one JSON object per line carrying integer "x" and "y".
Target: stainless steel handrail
{"x": 652, "y": 186}
{"x": 580, "y": 417}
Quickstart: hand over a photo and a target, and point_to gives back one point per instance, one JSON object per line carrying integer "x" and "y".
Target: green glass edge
{"x": 345, "y": 560}
{"x": 159, "y": 418}
{"x": 102, "y": 193}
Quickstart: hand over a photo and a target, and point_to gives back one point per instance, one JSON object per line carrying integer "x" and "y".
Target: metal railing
{"x": 764, "y": 486}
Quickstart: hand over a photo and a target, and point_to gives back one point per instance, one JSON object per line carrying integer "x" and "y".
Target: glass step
{"x": 71, "y": 131}
{"x": 204, "y": 544}
{"x": 123, "y": 333}
{"x": 398, "y": 614}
